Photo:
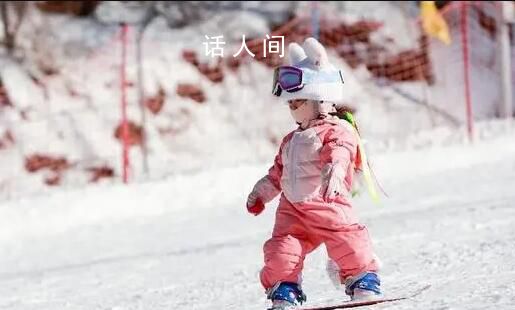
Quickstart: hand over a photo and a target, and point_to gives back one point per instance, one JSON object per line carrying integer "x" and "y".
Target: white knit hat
{"x": 312, "y": 59}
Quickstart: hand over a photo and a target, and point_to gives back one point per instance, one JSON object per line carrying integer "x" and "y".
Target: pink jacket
{"x": 303, "y": 153}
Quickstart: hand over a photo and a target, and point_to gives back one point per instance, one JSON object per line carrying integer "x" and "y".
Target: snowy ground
{"x": 187, "y": 242}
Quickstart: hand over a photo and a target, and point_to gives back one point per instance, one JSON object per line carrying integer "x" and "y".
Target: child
{"x": 314, "y": 170}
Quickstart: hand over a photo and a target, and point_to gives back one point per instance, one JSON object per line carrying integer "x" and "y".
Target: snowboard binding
{"x": 286, "y": 295}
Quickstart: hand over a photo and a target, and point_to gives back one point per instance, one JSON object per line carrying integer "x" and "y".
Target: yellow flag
{"x": 433, "y": 23}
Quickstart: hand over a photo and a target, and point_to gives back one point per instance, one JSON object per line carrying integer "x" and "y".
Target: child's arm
{"x": 269, "y": 186}
{"x": 338, "y": 152}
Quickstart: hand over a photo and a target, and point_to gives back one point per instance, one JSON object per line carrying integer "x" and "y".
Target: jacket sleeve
{"x": 339, "y": 146}
{"x": 269, "y": 186}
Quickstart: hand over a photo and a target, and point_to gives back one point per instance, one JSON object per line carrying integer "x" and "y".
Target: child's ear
{"x": 316, "y": 53}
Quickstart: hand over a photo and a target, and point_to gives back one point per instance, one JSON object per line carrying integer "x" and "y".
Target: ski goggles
{"x": 293, "y": 79}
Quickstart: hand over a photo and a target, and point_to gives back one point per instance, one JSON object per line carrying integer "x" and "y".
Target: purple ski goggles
{"x": 292, "y": 79}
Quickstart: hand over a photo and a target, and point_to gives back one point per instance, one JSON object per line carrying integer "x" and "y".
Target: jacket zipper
{"x": 292, "y": 161}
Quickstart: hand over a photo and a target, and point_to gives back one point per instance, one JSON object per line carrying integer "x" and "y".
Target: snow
{"x": 186, "y": 242}
{"x": 393, "y": 16}
{"x": 15, "y": 78}
{"x": 179, "y": 237}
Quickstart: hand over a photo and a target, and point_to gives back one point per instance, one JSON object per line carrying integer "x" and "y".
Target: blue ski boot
{"x": 364, "y": 286}
{"x": 286, "y": 295}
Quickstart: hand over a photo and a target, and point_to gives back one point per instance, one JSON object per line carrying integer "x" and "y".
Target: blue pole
{"x": 315, "y": 19}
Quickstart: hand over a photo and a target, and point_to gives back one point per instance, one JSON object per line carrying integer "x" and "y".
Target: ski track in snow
{"x": 451, "y": 227}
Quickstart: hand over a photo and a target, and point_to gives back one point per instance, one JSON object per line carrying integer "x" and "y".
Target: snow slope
{"x": 73, "y": 114}
{"x": 186, "y": 242}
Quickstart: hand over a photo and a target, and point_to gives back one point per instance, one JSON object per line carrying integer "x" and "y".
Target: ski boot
{"x": 364, "y": 286}
{"x": 286, "y": 295}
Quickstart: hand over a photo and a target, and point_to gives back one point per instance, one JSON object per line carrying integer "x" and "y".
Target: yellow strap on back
{"x": 349, "y": 120}
{"x": 366, "y": 170}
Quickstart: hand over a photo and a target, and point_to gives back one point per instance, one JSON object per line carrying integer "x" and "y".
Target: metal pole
{"x": 125, "y": 126}
{"x": 141, "y": 87}
{"x": 466, "y": 73}
{"x": 141, "y": 94}
{"x": 506, "y": 78}
{"x": 315, "y": 19}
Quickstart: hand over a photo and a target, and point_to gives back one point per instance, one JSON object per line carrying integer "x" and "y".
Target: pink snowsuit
{"x": 304, "y": 220}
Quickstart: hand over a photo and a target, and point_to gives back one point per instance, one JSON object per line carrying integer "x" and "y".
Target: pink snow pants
{"x": 301, "y": 227}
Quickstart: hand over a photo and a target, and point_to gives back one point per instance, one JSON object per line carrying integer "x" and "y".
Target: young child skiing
{"x": 314, "y": 170}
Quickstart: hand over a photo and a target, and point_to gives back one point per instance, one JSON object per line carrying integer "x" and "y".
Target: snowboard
{"x": 355, "y": 304}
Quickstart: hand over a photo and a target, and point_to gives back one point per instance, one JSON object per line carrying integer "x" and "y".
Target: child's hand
{"x": 255, "y": 206}
{"x": 263, "y": 192}
{"x": 332, "y": 181}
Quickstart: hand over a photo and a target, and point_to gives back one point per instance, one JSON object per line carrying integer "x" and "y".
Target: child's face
{"x": 303, "y": 111}
{"x": 296, "y": 103}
